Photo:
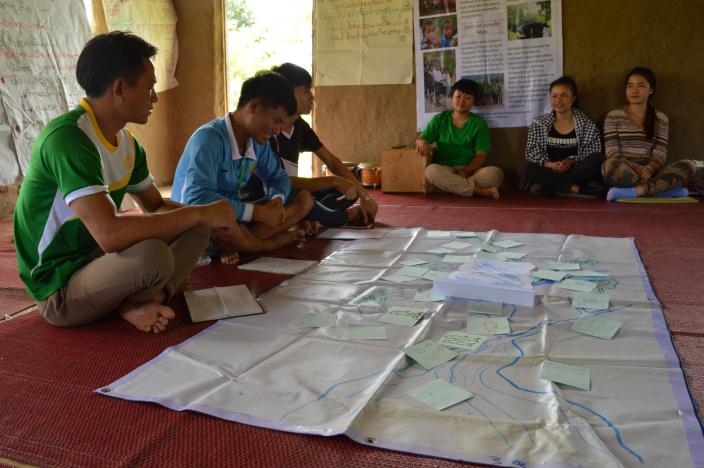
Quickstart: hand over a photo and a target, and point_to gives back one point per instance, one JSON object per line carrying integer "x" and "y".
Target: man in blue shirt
{"x": 222, "y": 155}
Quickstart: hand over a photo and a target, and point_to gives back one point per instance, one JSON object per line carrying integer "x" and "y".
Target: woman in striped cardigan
{"x": 635, "y": 141}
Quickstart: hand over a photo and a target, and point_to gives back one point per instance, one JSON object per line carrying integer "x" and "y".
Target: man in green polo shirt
{"x": 462, "y": 140}
{"x": 78, "y": 257}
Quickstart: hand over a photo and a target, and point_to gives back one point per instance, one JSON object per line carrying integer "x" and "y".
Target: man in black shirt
{"x": 334, "y": 195}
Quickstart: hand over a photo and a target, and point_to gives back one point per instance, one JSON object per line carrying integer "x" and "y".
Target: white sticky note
{"x": 507, "y": 244}
{"x": 457, "y": 339}
{"x": 439, "y": 394}
{"x": 564, "y": 266}
{"x": 406, "y": 316}
{"x": 414, "y": 271}
{"x": 432, "y": 275}
{"x": 413, "y": 262}
{"x": 599, "y": 327}
{"x": 490, "y": 256}
{"x": 428, "y": 296}
{"x": 590, "y": 301}
{"x": 440, "y": 250}
{"x": 456, "y": 258}
{"x": 548, "y": 275}
{"x": 489, "y": 248}
{"x": 574, "y": 376}
{"x": 589, "y": 274}
{"x": 488, "y": 326}
{"x": 438, "y": 234}
{"x": 512, "y": 255}
{"x": 429, "y": 354}
{"x": 465, "y": 234}
{"x": 456, "y": 245}
{"x": 485, "y": 307}
{"x": 577, "y": 285}
{"x": 366, "y": 332}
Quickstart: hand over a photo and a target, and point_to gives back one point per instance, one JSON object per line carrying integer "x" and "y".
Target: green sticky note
{"x": 573, "y": 376}
{"x": 490, "y": 248}
{"x": 484, "y": 307}
{"x": 548, "y": 275}
{"x": 456, "y": 339}
{"x": 366, "y": 332}
{"x": 577, "y": 285}
{"x": 432, "y": 275}
{"x": 440, "y": 250}
{"x": 456, "y": 258}
{"x": 490, "y": 256}
{"x": 413, "y": 262}
{"x": 465, "y": 234}
{"x": 590, "y": 301}
{"x": 588, "y": 274}
{"x": 592, "y": 325}
{"x": 512, "y": 255}
{"x": 456, "y": 245}
{"x": 439, "y": 394}
{"x": 507, "y": 244}
{"x": 414, "y": 271}
{"x": 564, "y": 266}
{"x": 429, "y": 354}
{"x": 394, "y": 278}
{"x": 428, "y": 296}
{"x": 439, "y": 234}
{"x": 406, "y": 316}
{"x": 316, "y": 320}
{"x": 488, "y": 326}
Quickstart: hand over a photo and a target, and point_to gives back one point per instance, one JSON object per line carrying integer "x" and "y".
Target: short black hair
{"x": 468, "y": 86}
{"x": 565, "y": 80}
{"x": 272, "y": 89}
{"x": 297, "y": 76}
{"x": 110, "y": 56}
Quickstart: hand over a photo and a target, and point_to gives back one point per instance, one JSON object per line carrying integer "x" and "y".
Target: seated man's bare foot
{"x": 149, "y": 317}
{"x": 491, "y": 192}
{"x": 230, "y": 259}
{"x": 311, "y": 228}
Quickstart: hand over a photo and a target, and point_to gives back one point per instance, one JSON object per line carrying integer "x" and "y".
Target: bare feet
{"x": 230, "y": 259}
{"x": 491, "y": 192}
{"x": 149, "y": 317}
{"x": 311, "y": 228}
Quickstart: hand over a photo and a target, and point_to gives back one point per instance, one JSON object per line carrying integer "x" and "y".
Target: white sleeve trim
{"x": 248, "y": 212}
{"x": 141, "y": 186}
{"x": 85, "y": 191}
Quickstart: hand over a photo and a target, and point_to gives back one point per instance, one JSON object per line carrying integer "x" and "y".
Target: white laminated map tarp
{"x": 268, "y": 371}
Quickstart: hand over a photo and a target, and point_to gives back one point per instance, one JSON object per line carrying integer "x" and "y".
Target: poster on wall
{"x": 39, "y": 45}
{"x": 511, "y": 48}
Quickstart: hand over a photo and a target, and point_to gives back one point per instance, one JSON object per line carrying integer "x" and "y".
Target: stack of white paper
{"x": 489, "y": 280}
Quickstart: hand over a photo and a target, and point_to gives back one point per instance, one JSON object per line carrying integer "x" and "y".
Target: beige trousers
{"x": 136, "y": 274}
{"x": 446, "y": 179}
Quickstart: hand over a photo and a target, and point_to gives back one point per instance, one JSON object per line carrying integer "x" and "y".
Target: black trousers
{"x": 582, "y": 172}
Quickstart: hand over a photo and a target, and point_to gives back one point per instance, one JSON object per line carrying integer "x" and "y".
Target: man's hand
{"x": 368, "y": 208}
{"x": 270, "y": 213}
{"x": 559, "y": 166}
{"x": 643, "y": 172}
{"x": 219, "y": 215}
{"x": 465, "y": 172}
{"x": 349, "y": 189}
{"x": 423, "y": 147}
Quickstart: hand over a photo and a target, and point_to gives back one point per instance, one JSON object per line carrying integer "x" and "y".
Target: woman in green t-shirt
{"x": 462, "y": 146}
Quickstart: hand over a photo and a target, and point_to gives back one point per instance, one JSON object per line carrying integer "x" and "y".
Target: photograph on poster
{"x": 439, "y": 32}
{"x": 530, "y": 20}
{"x": 492, "y": 86}
{"x": 439, "y": 71}
{"x": 437, "y": 7}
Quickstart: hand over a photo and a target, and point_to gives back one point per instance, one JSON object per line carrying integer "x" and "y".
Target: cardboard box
{"x": 402, "y": 170}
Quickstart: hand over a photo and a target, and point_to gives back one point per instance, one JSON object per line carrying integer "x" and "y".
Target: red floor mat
{"x": 13, "y": 301}
{"x": 49, "y": 415}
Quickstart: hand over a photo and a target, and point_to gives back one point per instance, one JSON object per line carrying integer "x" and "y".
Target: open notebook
{"x": 219, "y": 303}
